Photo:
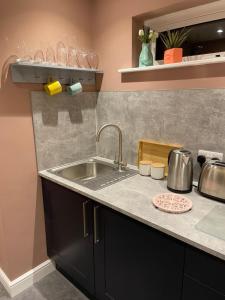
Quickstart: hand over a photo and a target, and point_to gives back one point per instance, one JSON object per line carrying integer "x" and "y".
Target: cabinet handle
{"x": 85, "y": 219}
{"x": 96, "y": 225}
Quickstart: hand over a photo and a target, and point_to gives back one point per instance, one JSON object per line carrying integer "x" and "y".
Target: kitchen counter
{"x": 133, "y": 197}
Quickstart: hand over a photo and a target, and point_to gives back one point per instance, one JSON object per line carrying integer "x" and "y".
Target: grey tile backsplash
{"x": 193, "y": 118}
{"x": 65, "y": 126}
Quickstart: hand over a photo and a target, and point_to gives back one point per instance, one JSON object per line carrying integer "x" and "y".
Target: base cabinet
{"x": 113, "y": 257}
{"x": 193, "y": 289}
{"x": 68, "y": 219}
{"x": 203, "y": 276}
{"x": 133, "y": 261}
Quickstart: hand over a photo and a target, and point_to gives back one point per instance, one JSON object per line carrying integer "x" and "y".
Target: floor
{"x": 52, "y": 287}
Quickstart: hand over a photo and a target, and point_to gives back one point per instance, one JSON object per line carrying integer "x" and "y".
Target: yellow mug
{"x": 53, "y": 88}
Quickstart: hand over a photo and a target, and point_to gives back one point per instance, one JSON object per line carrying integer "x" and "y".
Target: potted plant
{"x": 146, "y": 36}
{"x": 173, "y": 40}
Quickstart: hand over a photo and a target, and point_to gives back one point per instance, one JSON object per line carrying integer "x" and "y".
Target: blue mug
{"x": 74, "y": 89}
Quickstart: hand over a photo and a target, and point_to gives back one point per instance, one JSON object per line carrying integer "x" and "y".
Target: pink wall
{"x": 35, "y": 24}
{"x": 113, "y": 42}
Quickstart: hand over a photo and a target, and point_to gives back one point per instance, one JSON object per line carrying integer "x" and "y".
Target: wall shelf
{"x": 43, "y": 73}
{"x": 194, "y": 63}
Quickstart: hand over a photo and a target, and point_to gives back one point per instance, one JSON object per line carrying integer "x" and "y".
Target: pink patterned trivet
{"x": 172, "y": 203}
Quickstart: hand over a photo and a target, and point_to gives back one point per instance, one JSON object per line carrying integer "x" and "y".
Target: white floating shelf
{"x": 194, "y": 63}
{"x": 41, "y": 73}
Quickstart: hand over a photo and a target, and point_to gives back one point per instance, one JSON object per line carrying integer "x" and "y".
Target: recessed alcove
{"x": 171, "y": 17}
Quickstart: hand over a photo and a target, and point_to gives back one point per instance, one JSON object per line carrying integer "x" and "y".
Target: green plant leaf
{"x": 170, "y": 38}
{"x": 175, "y": 38}
{"x": 165, "y": 40}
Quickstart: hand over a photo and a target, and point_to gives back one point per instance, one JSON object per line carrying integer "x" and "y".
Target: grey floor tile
{"x": 52, "y": 287}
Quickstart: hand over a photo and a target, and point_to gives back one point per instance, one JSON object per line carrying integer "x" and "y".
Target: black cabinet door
{"x": 69, "y": 218}
{"x": 205, "y": 268}
{"x": 203, "y": 276}
{"x": 193, "y": 289}
{"x": 133, "y": 261}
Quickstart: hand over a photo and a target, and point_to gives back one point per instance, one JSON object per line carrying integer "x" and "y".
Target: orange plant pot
{"x": 174, "y": 55}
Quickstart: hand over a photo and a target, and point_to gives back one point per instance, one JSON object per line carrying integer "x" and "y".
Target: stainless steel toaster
{"x": 212, "y": 180}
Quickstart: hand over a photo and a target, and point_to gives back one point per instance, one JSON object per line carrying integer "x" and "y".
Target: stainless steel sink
{"x": 85, "y": 171}
{"x": 93, "y": 174}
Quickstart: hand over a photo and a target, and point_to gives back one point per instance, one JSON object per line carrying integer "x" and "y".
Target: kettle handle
{"x": 169, "y": 156}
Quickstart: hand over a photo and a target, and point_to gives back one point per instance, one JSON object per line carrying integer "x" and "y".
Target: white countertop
{"x": 133, "y": 197}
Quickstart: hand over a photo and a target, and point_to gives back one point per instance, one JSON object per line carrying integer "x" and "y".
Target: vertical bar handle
{"x": 85, "y": 223}
{"x": 96, "y": 225}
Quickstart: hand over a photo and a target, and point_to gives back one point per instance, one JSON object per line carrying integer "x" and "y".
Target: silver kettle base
{"x": 179, "y": 192}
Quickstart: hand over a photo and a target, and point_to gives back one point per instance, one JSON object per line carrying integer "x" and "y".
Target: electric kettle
{"x": 180, "y": 171}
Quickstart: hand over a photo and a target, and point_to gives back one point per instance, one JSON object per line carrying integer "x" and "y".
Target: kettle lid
{"x": 182, "y": 152}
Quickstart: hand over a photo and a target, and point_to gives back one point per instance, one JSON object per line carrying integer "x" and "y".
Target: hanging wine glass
{"x": 20, "y": 51}
{"x": 93, "y": 60}
{"x": 26, "y": 59}
{"x": 72, "y": 57}
{"x": 82, "y": 59}
{"x": 39, "y": 57}
{"x": 50, "y": 56}
{"x": 23, "y": 53}
{"x": 61, "y": 54}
